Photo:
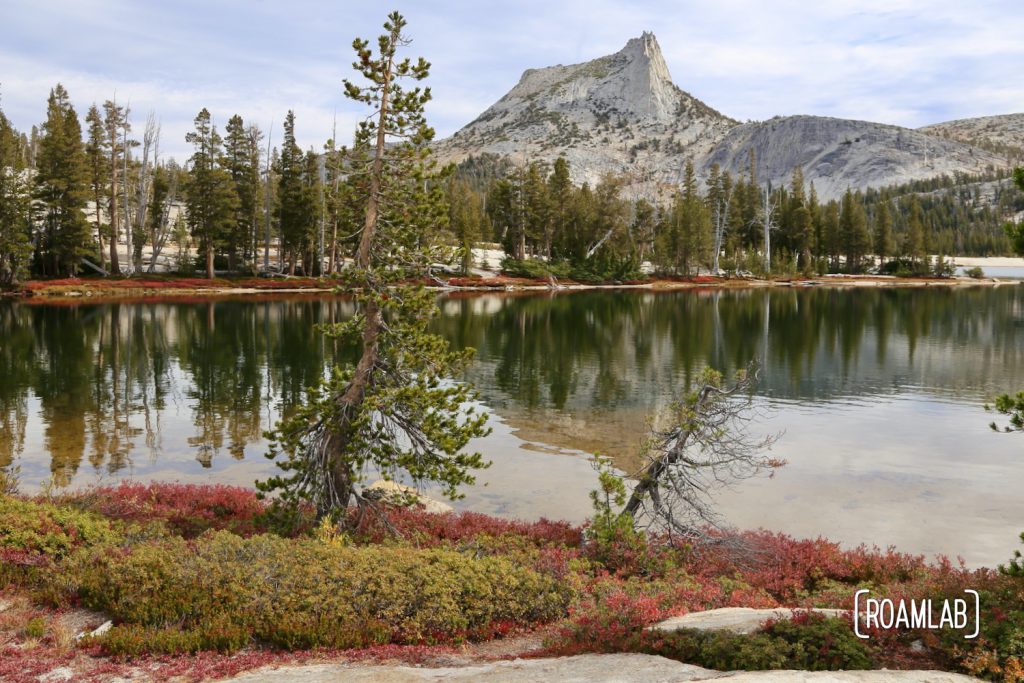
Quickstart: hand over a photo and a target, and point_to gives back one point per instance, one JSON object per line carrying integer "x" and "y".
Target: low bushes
{"x": 428, "y": 529}
{"x": 33, "y": 533}
{"x": 183, "y": 569}
{"x": 188, "y": 510}
{"x": 807, "y": 642}
{"x": 221, "y": 590}
{"x": 597, "y": 270}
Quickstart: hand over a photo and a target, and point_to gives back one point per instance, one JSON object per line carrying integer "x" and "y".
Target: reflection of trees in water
{"x": 108, "y": 377}
{"x": 605, "y": 350}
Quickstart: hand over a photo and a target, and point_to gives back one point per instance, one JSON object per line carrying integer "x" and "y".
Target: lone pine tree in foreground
{"x": 396, "y": 410}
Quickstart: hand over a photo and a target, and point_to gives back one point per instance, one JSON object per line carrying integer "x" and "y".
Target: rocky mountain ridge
{"x": 622, "y": 114}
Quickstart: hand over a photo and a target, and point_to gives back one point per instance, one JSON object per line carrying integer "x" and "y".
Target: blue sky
{"x": 908, "y": 62}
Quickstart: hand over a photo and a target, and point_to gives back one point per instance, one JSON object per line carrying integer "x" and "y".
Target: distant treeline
{"x": 71, "y": 191}
{"x": 534, "y": 210}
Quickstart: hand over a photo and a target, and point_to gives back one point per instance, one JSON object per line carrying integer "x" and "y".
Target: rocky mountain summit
{"x": 622, "y": 114}
{"x": 617, "y": 114}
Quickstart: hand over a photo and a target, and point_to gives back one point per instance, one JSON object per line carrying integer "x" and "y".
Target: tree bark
{"x": 340, "y": 470}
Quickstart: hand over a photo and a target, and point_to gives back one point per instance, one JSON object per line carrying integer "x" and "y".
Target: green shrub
{"x": 976, "y": 272}
{"x": 593, "y": 270}
{"x": 303, "y": 593}
{"x": 35, "y": 627}
{"x": 533, "y": 269}
{"x": 30, "y": 531}
{"x": 130, "y": 640}
{"x": 807, "y": 642}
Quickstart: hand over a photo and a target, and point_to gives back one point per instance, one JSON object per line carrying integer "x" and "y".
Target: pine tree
{"x": 211, "y": 201}
{"x": 15, "y": 198}
{"x": 642, "y": 230}
{"x": 854, "y": 231}
{"x": 61, "y": 188}
{"x": 913, "y": 246}
{"x": 831, "y": 235}
{"x": 396, "y": 410}
{"x": 96, "y": 154}
{"x": 719, "y": 201}
{"x": 561, "y": 191}
{"x": 1015, "y": 231}
{"x": 466, "y": 219}
{"x": 292, "y": 197}
{"x": 241, "y": 160}
{"x": 312, "y": 202}
{"x": 801, "y": 226}
{"x": 506, "y": 207}
{"x": 883, "y": 241}
{"x": 695, "y": 227}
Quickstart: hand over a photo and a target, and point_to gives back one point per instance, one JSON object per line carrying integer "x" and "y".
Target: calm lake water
{"x": 879, "y": 394}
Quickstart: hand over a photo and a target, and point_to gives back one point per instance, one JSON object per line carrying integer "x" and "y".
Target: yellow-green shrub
{"x": 44, "y": 530}
{"x": 302, "y": 593}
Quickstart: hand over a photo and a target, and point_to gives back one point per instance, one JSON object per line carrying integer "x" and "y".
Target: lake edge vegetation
{"x": 185, "y": 569}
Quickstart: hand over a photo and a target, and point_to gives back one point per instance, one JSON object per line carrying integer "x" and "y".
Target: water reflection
{"x": 891, "y": 379}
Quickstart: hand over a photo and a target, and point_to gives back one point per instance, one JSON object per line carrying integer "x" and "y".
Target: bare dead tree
{"x": 150, "y": 147}
{"x": 161, "y": 222}
{"x": 767, "y": 219}
{"x": 705, "y": 444}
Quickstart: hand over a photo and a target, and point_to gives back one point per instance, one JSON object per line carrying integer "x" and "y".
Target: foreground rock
{"x": 618, "y": 668}
{"x": 741, "y": 620}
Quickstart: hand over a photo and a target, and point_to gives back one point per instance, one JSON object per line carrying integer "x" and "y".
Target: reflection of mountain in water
{"x": 112, "y": 382}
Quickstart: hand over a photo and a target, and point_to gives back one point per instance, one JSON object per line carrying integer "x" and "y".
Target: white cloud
{"x": 887, "y": 60}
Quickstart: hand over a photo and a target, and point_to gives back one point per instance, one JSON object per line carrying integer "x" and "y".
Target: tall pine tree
{"x": 61, "y": 191}
{"x": 396, "y": 410}
{"x": 15, "y": 199}
{"x": 211, "y": 201}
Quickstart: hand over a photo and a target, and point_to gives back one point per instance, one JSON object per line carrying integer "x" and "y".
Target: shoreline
{"x": 146, "y": 288}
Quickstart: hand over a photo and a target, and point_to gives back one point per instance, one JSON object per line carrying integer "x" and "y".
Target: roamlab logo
{"x": 886, "y": 613}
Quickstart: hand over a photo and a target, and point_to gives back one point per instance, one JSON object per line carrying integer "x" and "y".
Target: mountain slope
{"x": 1002, "y": 133}
{"x": 837, "y": 154}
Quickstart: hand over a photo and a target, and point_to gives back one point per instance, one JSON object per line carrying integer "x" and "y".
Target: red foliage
{"x": 188, "y": 509}
{"x": 607, "y": 623}
{"x": 785, "y": 566}
{"x": 174, "y": 282}
{"x": 22, "y": 558}
{"x": 432, "y": 528}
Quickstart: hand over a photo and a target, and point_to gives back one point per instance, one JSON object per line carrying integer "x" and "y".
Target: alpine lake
{"x": 877, "y": 393}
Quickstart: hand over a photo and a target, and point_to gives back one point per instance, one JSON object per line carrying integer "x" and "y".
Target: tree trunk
{"x": 209, "y": 260}
{"x": 115, "y": 267}
{"x": 648, "y": 483}
{"x": 340, "y": 470}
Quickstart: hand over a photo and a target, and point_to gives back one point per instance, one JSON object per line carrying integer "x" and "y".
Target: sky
{"x": 906, "y": 62}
